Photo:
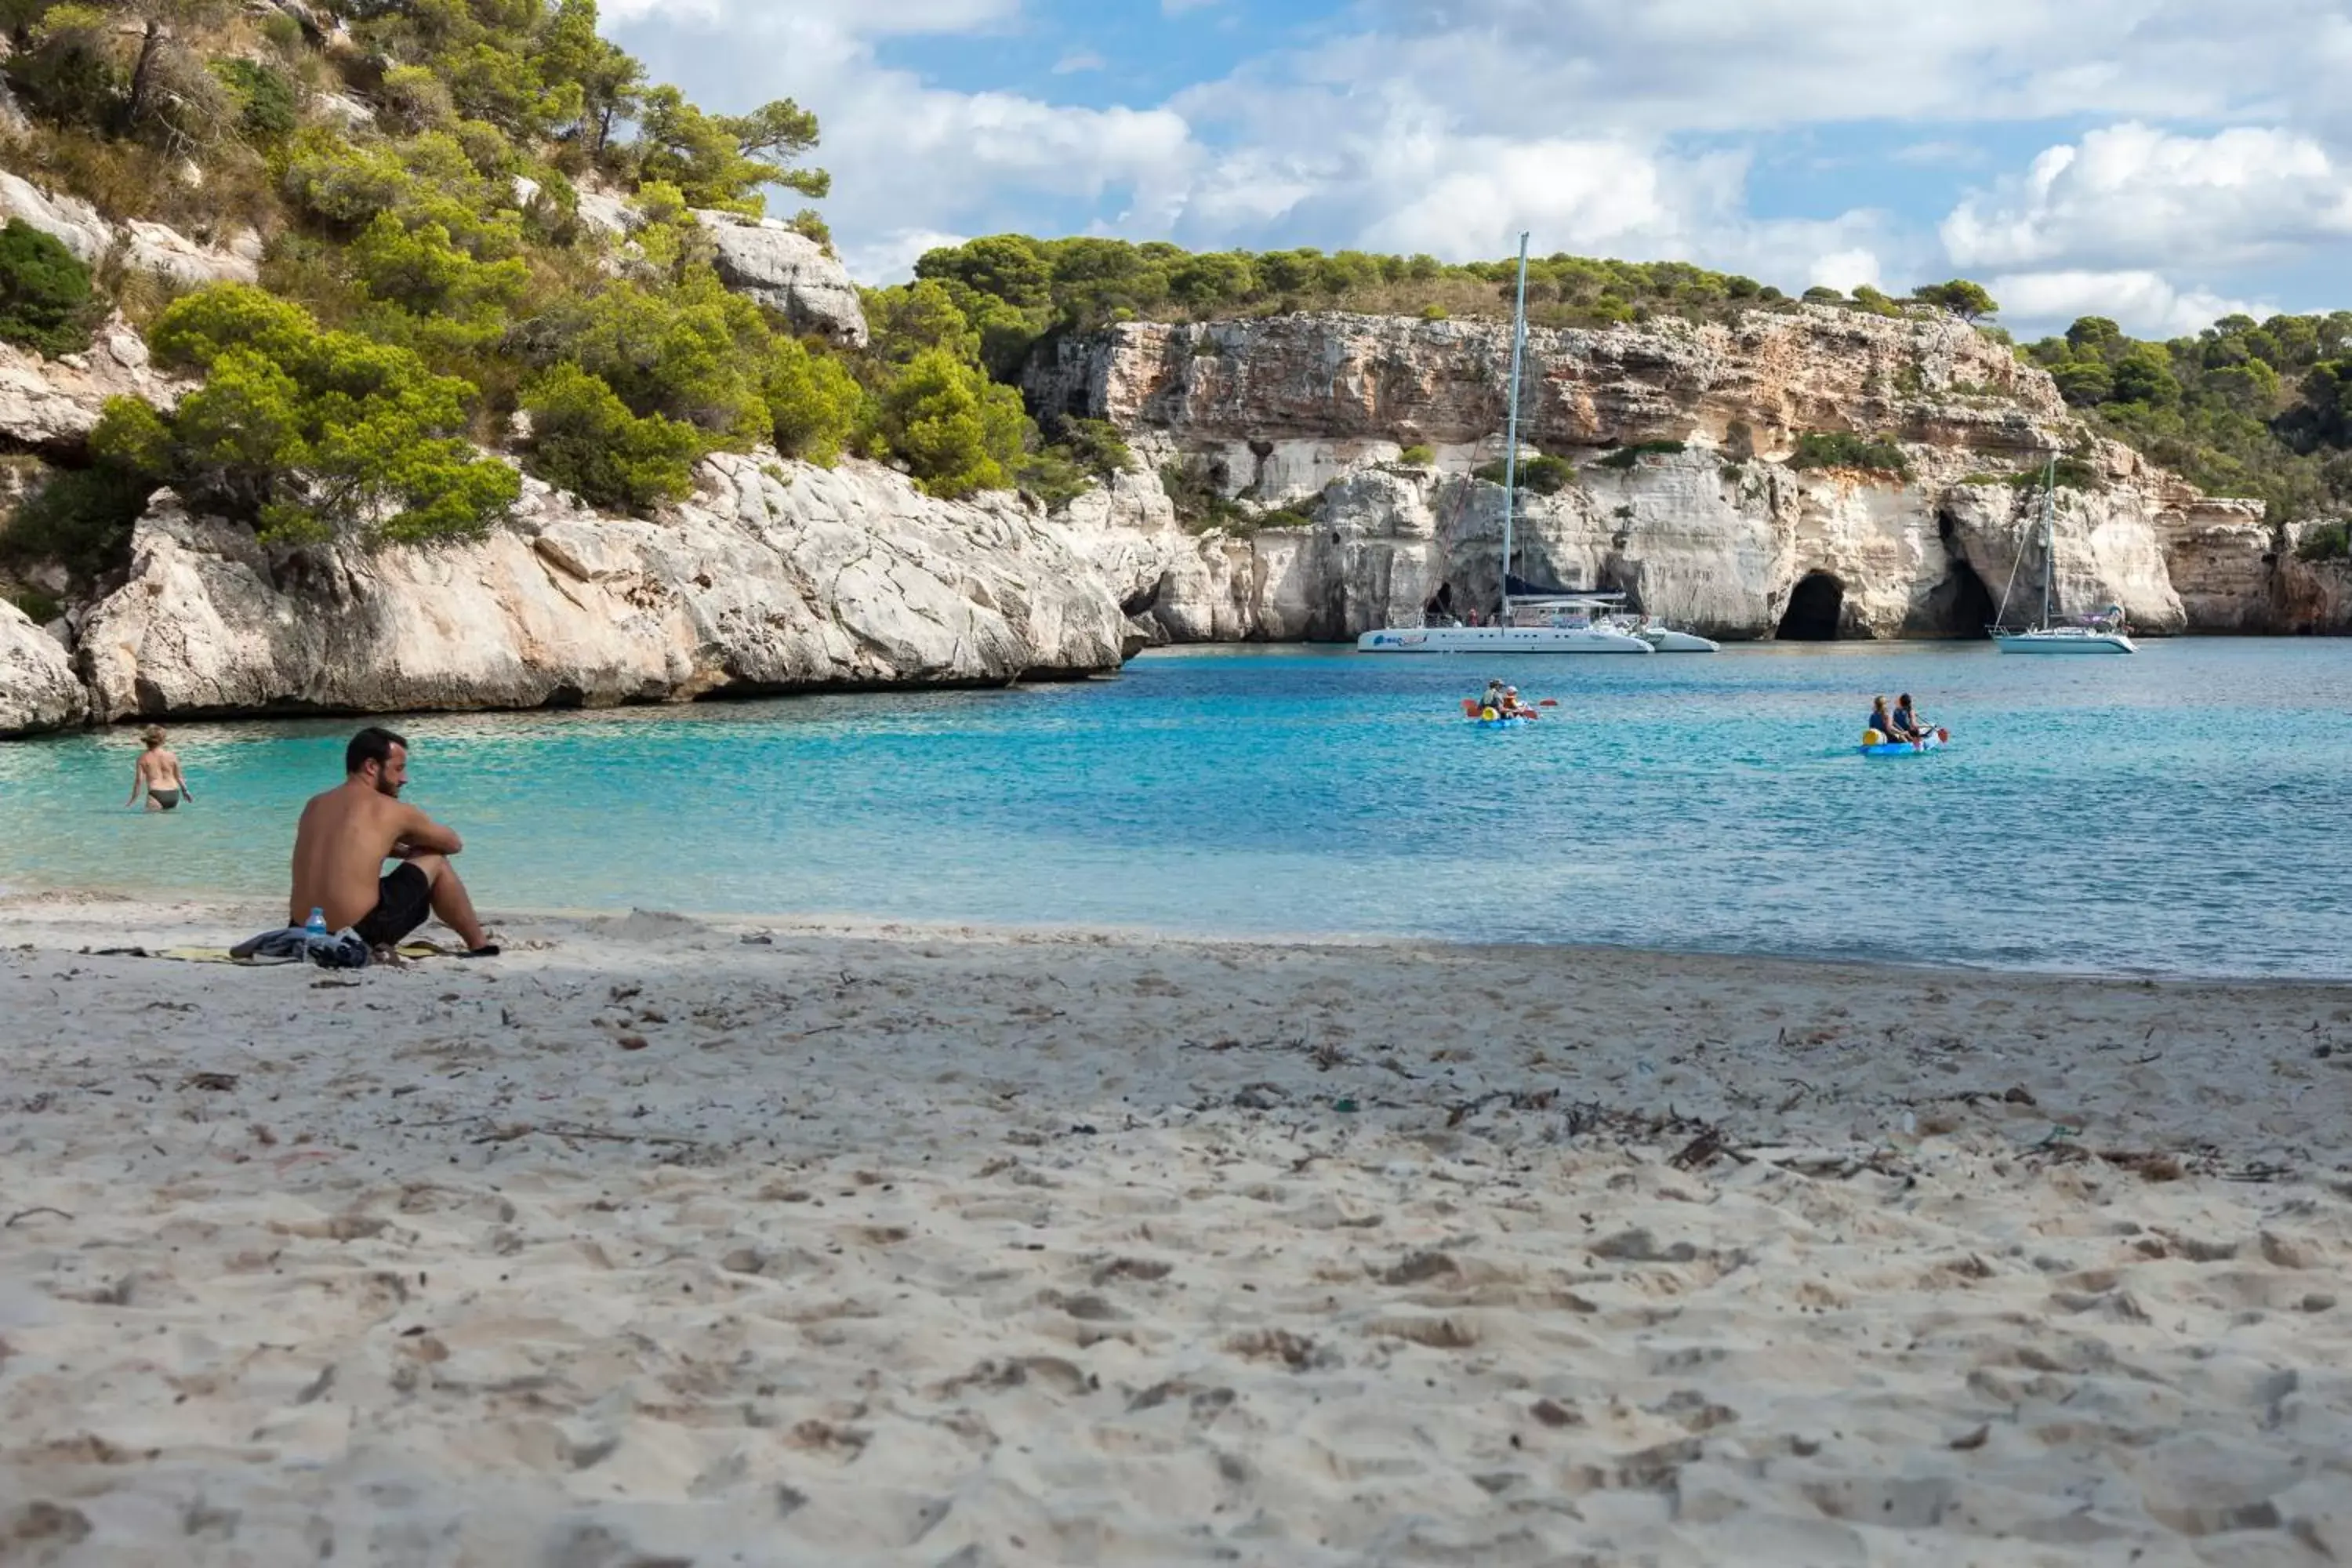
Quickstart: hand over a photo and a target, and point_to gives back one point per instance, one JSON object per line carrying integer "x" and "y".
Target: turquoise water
{"x": 2182, "y": 812}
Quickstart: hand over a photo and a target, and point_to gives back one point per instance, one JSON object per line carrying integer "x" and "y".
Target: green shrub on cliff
{"x": 1196, "y": 492}
{"x": 586, "y": 440}
{"x": 814, "y": 404}
{"x": 692, "y": 353}
{"x": 1845, "y": 449}
{"x": 2071, "y": 474}
{"x": 956, "y": 430}
{"x": 1626, "y": 456}
{"x": 45, "y": 298}
{"x": 1544, "y": 474}
{"x": 2328, "y": 542}
{"x": 1963, "y": 298}
{"x": 310, "y": 435}
{"x": 81, "y": 519}
{"x": 267, "y": 100}
{"x": 671, "y": 373}
{"x": 1095, "y": 444}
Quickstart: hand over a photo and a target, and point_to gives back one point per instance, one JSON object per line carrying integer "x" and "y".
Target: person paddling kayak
{"x": 1906, "y": 723}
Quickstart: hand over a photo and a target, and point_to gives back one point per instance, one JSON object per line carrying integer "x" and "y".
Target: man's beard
{"x": 386, "y": 786}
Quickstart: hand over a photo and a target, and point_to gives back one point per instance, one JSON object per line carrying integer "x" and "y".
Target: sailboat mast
{"x": 2049, "y": 531}
{"x": 1511, "y": 427}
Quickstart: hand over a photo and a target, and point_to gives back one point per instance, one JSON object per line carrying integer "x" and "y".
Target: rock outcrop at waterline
{"x": 777, "y": 577}
{"x": 1716, "y": 547}
{"x": 1312, "y": 415}
{"x": 37, "y": 688}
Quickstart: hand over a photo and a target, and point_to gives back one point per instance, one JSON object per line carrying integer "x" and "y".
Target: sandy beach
{"x": 661, "y": 1241}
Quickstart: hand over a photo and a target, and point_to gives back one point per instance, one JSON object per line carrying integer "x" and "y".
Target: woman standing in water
{"x": 157, "y": 772}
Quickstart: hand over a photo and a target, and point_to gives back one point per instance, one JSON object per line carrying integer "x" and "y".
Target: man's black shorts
{"x": 404, "y": 899}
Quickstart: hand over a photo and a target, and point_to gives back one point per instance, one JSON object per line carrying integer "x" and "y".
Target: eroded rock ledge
{"x": 777, "y": 577}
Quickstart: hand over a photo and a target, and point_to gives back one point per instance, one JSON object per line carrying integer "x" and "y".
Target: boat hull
{"x": 1665, "y": 641}
{"x": 1501, "y": 639}
{"x": 1901, "y": 748}
{"x": 2063, "y": 642}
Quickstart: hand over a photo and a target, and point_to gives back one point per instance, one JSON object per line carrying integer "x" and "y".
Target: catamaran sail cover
{"x": 1520, "y": 588}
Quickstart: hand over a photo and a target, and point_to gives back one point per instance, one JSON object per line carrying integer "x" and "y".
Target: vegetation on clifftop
{"x": 2242, "y": 409}
{"x": 417, "y": 177}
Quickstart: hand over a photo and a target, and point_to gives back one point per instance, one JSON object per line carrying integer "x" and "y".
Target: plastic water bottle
{"x": 316, "y": 928}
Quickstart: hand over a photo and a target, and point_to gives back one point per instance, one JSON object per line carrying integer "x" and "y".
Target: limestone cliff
{"x": 1312, "y": 413}
{"x": 51, "y": 406}
{"x": 769, "y": 261}
{"x": 38, "y": 689}
{"x": 139, "y": 246}
{"x": 776, "y": 577}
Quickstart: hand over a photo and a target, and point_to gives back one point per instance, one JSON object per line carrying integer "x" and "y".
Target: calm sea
{"x": 2189, "y": 811}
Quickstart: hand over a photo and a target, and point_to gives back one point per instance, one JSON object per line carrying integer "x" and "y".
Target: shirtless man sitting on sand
{"x": 347, "y": 834}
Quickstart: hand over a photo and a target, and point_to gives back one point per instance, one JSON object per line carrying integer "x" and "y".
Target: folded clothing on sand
{"x": 344, "y": 950}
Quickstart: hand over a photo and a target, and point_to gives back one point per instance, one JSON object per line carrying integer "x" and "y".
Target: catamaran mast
{"x": 1511, "y": 430}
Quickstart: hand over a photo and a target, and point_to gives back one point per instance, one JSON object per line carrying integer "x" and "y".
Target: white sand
{"x": 965, "y": 1248}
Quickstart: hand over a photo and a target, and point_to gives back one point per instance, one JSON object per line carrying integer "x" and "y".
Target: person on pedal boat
{"x": 1906, "y": 724}
{"x": 1879, "y": 720}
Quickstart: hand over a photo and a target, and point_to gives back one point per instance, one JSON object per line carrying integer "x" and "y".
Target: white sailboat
{"x": 1537, "y": 619}
{"x": 2103, "y": 634}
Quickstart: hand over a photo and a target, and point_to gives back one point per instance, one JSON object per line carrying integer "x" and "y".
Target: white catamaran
{"x": 2103, "y": 634}
{"x": 1537, "y": 618}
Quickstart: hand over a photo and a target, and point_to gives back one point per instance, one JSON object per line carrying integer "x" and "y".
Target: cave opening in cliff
{"x": 1813, "y": 609}
{"x": 1964, "y": 605}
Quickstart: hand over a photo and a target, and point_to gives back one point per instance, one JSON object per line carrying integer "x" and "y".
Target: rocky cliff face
{"x": 1336, "y": 378}
{"x": 51, "y": 406}
{"x": 37, "y": 688}
{"x": 786, "y": 270}
{"x": 777, "y": 577}
{"x": 1312, "y": 413}
{"x": 2310, "y": 596}
{"x": 145, "y": 247}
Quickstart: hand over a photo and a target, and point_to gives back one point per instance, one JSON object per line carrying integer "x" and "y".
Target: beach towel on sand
{"x": 410, "y": 950}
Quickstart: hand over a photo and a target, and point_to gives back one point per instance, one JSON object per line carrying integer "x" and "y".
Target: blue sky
{"x": 2160, "y": 161}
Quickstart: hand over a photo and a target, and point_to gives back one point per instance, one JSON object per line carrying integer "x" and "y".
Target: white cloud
{"x": 865, "y": 17}
{"x": 890, "y": 257}
{"x": 2133, "y": 192}
{"x": 910, "y": 161}
{"x": 1471, "y": 197}
{"x": 1846, "y": 270}
{"x": 1929, "y": 153}
{"x": 2142, "y": 301}
{"x": 1669, "y": 67}
{"x": 1079, "y": 60}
